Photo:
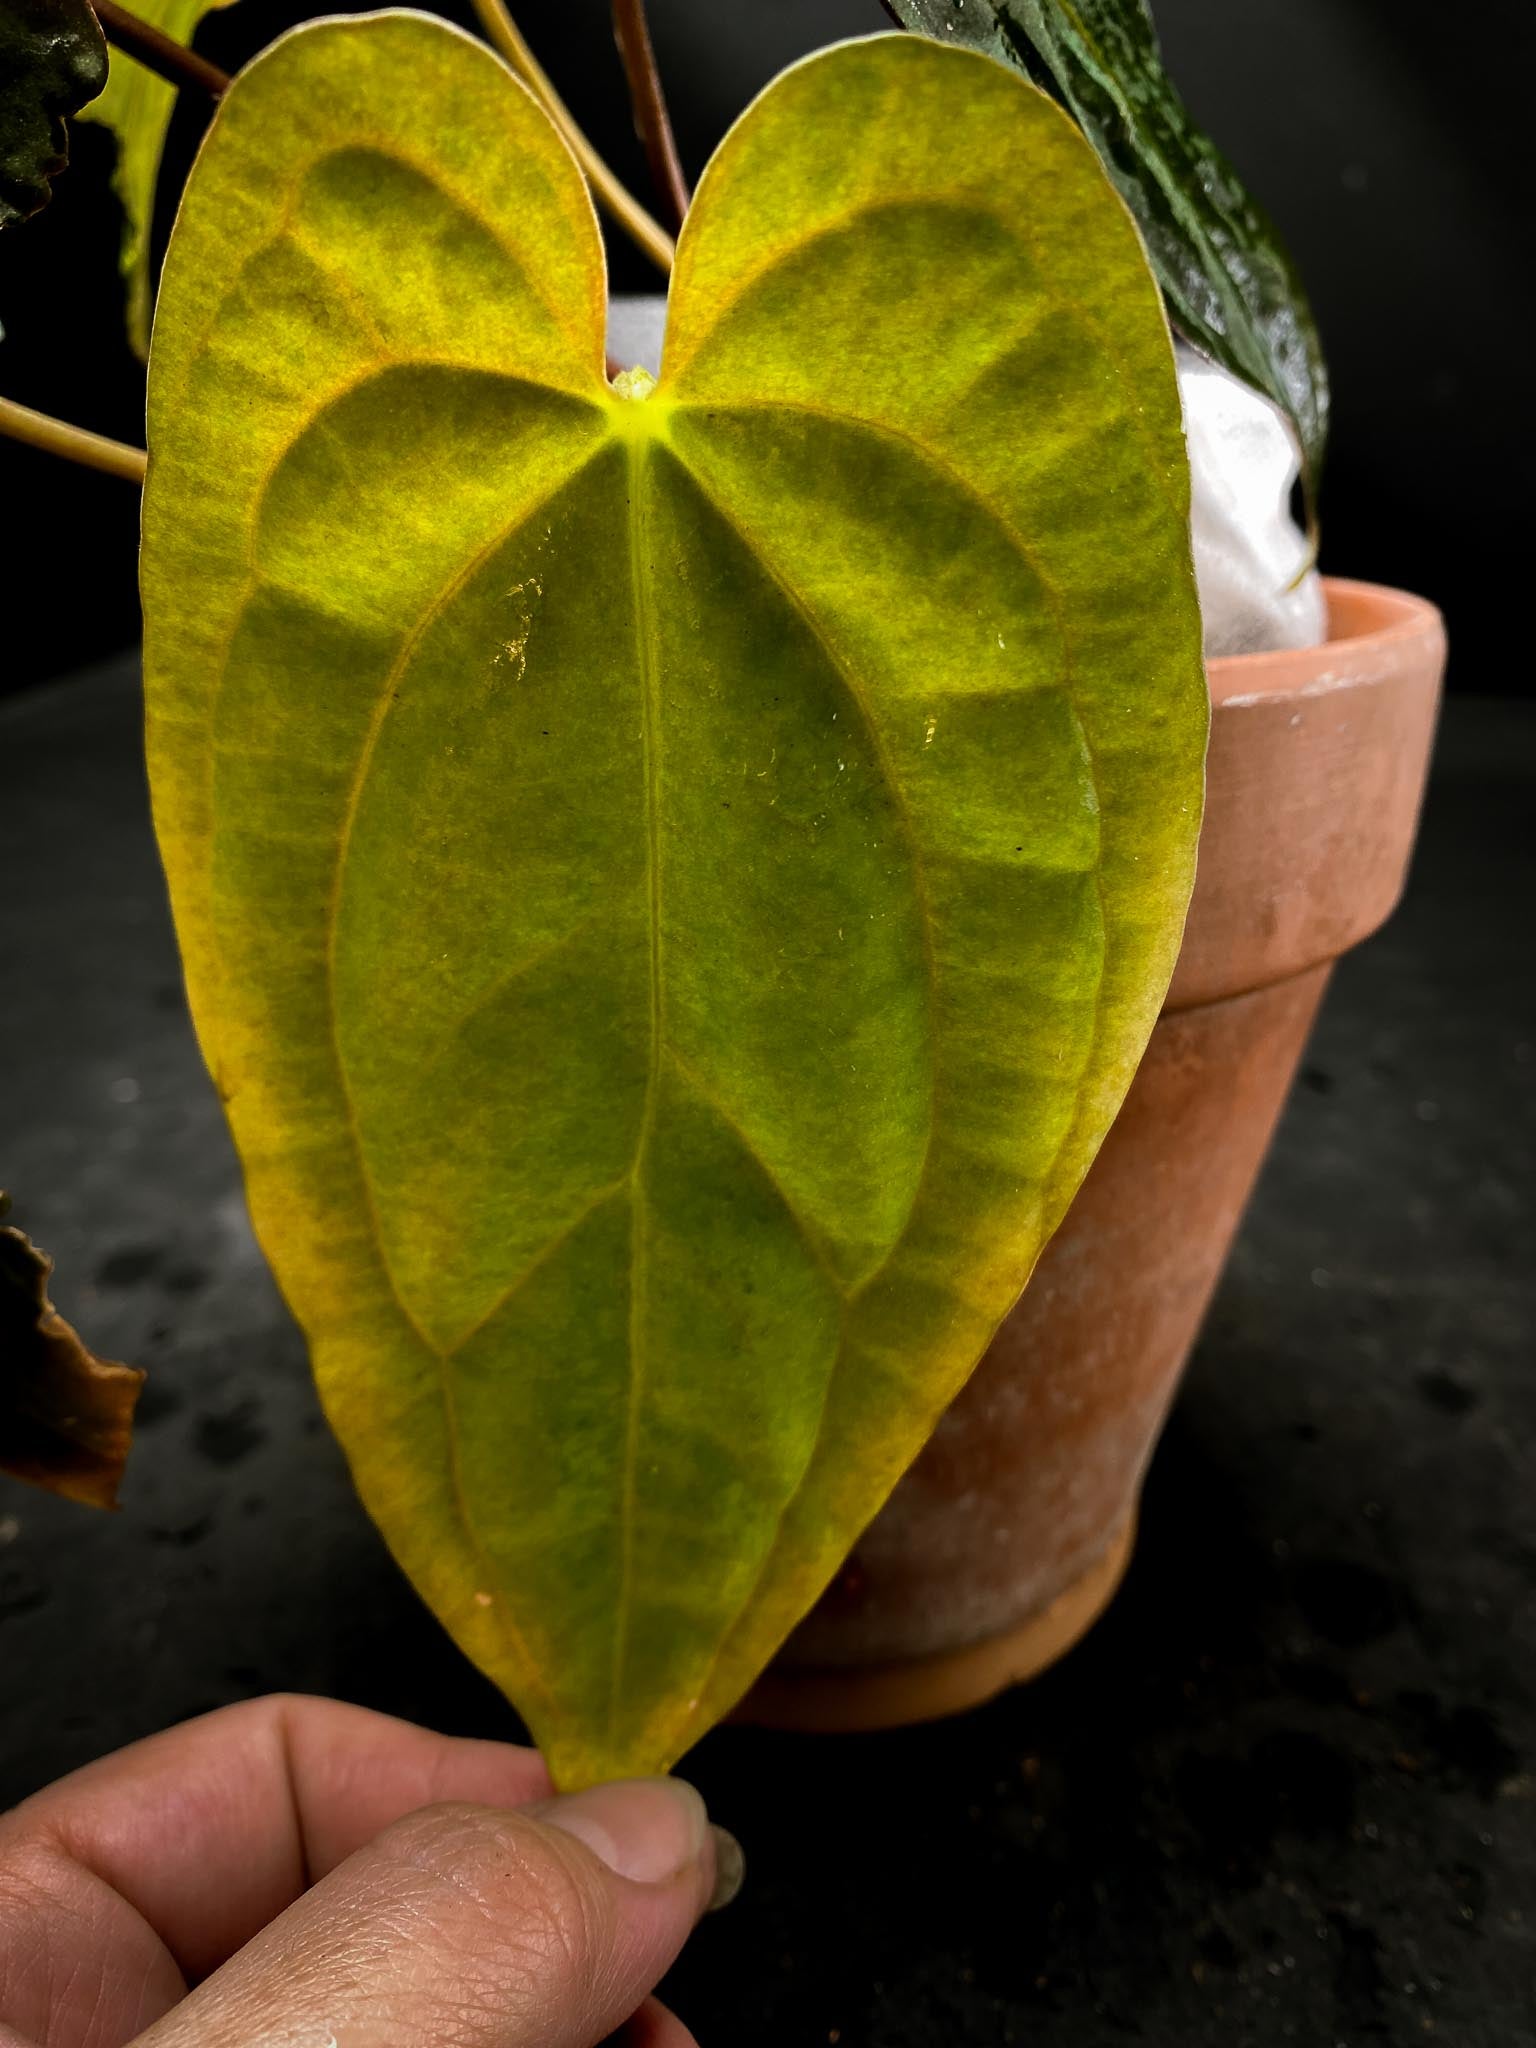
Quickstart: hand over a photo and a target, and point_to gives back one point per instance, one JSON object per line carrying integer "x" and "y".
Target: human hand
{"x": 293, "y": 1873}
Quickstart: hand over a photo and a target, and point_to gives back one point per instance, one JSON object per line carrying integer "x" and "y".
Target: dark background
{"x": 1392, "y": 158}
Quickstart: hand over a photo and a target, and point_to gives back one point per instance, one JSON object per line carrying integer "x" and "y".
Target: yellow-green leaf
{"x": 136, "y": 105}
{"x": 674, "y": 881}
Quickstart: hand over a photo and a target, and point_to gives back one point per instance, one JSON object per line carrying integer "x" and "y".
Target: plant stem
{"x": 157, "y": 51}
{"x": 653, "y": 124}
{"x": 40, "y": 430}
{"x": 650, "y": 235}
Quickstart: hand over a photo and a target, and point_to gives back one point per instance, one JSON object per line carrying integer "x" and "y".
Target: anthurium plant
{"x": 674, "y": 876}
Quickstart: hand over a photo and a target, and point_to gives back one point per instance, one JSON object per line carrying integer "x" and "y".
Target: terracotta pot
{"x": 1009, "y": 1535}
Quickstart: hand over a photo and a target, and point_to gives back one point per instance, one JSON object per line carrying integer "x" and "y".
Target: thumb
{"x": 470, "y": 1927}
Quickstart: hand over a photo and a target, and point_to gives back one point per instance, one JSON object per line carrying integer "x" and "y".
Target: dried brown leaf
{"x": 66, "y": 1416}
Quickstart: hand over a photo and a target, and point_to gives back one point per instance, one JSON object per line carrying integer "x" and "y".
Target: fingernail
{"x": 646, "y": 1829}
{"x": 730, "y": 1869}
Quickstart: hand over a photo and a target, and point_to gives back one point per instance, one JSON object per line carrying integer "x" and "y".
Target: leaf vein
{"x": 809, "y": 1238}
{"x": 541, "y": 1257}
{"x": 639, "y": 1276}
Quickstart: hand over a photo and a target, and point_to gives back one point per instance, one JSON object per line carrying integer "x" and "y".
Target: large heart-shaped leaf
{"x": 137, "y": 107}
{"x": 674, "y": 881}
{"x": 1232, "y": 287}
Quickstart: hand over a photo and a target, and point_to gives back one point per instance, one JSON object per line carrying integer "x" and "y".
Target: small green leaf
{"x": 66, "y": 1416}
{"x": 674, "y": 880}
{"x": 137, "y": 107}
{"x": 1231, "y": 286}
{"x": 52, "y": 60}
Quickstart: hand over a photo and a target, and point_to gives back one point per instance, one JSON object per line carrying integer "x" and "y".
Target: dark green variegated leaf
{"x": 674, "y": 879}
{"x": 52, "y": 60}
{"x": 1230, "y": 284}
{"x": 137, "y": 107}
{"x": 66, "y": 1416}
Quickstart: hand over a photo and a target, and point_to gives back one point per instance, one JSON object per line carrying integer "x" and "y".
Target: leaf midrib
{"x": 637, "y": 527}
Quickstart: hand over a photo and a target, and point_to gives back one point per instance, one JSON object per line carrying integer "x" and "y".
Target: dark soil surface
{"x": 1286, "y": 1791}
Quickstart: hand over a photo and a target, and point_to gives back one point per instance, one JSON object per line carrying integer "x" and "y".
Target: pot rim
{"x": 1379, "y": 623}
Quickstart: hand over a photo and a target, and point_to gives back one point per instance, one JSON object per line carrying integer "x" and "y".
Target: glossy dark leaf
{"x": 53, "y": 59}
{"x": 1231, "y": 287}
{"x": 66, "y": 1416}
